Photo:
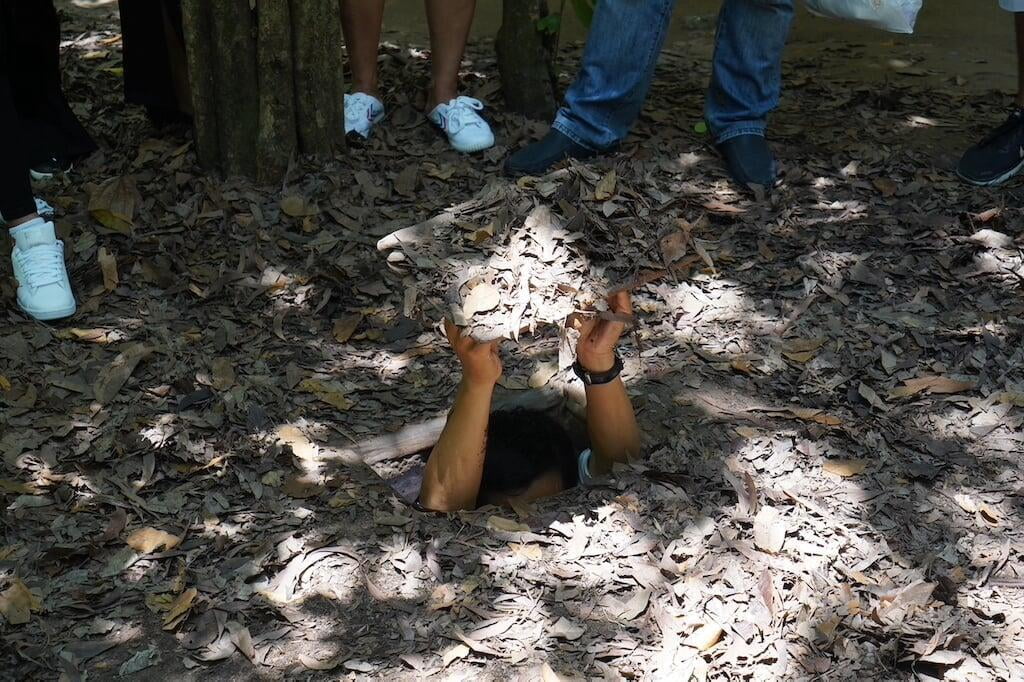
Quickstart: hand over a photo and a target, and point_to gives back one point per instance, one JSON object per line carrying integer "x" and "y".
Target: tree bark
{"x": 525, "y": 60}
{"x": 267, "y": 82}
{"x": 202, "y": 79}
{"x": 277, "y": 137}
{"x": 319, "y": 76}
{"x": 237, "y": 86}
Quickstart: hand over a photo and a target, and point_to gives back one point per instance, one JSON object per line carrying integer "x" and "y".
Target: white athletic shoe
{"x": 466, "y": 130}
{"x": 44, "y": 209}
{"x": 44, "y": 291}
{"x": 362, "y": 112}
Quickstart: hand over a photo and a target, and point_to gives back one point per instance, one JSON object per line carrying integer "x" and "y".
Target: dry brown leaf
{"x": 547, "y": 674}
{"x": 180, "y": 608}
{"x": 741, "y": 365}
{"x": 635, "y": 605}
{"x": 116, "y": 524}
{"x": 605, "y": 188}
{"x": 704, "y": 637}
{"x": 112, "y": 377}
{"x": 442, "y": 597}
{"x": 872, "y": 397}
{"x": 18, "y": 488}
{"x": 112, "y": 204}
{"x": 532, "y": 552}
{"x": 769, "y": 530}
{"x": 297, "y": 207}
{"x": 674, "y": 245}
{"x": 1010, "y": 398}
{"x": 223, "y": 373}
{"x": 17, "y": 603}
{"x": 300, "y": 444}
{"x": 330, "y": 392}
{"x": 453, "y": 654}
{"x": 325, "y": 664}
{"x": 812, "y": 415}
{"x": 988, "y": 514}
{"x": 345, "y": 327}
{"x": 566, "y": 629}
{"x": 845, "y": 467}
{"x": 301, "y": 486}
{"x": 241, "y": 638}
{"x": 802, "y": 357}
{"x": 149, "y": 539}
{"x": 506, "y": 525}
{"x": 482, "y": 298}
{"x": 931, "y": 384}
{"x": 885, "y": 186}
{"x": 108, "y": 266}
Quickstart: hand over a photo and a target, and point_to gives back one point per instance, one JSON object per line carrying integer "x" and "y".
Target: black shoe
{"x": 998, "y": 157}
{"x": 538, "y": 157}
{"x": 45, "y": 170}
{"x": 749, "y": 160}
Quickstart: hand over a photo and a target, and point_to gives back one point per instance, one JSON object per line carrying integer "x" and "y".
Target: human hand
{"x": 599, "y": 336}
{"x": 481, "y": 364}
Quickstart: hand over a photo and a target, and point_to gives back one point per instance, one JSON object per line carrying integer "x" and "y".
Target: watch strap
{"x": 598, "y": 378}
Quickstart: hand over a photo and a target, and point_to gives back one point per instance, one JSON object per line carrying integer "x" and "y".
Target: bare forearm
{"x": 611, "y": 423}
{"x": 451, "y": 479}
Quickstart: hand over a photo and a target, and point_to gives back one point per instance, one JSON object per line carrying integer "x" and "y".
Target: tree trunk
{"x": 526, "y": 60}
{"x": 266, "y": 82}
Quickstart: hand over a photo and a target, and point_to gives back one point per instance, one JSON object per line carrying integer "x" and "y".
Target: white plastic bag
{"x": 897, "y": 16}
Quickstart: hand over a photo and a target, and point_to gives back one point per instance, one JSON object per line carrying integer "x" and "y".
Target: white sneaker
{"x": 44, "y": 291}
{"x": 44, "y": 209}
{"x": 466, "y": 131}
{"x": 362, "y": 112}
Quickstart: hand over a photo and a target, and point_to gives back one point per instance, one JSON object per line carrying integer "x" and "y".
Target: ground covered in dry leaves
{"x": 830, "y": 381}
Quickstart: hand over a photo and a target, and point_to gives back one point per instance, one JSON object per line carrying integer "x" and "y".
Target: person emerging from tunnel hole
{"x": 519, "y": 455}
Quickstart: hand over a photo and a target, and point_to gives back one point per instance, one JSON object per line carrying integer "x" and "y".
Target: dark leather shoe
{"x": 749, "y": 160}
{"x": 538, "y": 157}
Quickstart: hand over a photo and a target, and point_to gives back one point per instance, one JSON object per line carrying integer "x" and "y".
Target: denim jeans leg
{"x": 618, "y": 63}
{"x": 746, "y": 72}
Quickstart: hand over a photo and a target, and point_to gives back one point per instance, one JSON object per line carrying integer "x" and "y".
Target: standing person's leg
{"x": 44, "y": 291}
{"x": 449, "y": 22}
{"x": 1000, "y": 155}
{"x": 1020, "y": 55}
{"x": 16, "y": 203}
{"x": 746, "y": 81}
{"x": 361, "y": 22}
{"x": 54, "y": 135}
{"x": 604, "y": 101}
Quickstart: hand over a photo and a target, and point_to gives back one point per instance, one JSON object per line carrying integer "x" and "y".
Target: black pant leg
{"x": 15, "y": 189}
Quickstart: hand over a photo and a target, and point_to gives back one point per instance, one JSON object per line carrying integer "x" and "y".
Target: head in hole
{"x": 529, "y": 455}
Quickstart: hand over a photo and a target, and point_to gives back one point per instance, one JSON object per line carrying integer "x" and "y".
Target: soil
{"x": 829, "y": 379}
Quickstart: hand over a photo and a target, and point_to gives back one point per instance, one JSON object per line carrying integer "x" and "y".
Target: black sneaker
{"x": 538, "y": 157}
{"x": 998, "y": 157}
{"x": 45, "y": 170}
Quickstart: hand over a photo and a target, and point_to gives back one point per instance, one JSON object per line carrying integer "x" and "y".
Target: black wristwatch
{"x": 598, "y": 378}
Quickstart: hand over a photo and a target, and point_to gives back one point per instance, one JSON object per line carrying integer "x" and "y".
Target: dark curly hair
{"x": 522, "y": 446}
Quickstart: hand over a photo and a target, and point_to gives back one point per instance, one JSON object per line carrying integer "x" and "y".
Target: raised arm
{"x": 611, "y": 421}
{"x": 451, "y": 479}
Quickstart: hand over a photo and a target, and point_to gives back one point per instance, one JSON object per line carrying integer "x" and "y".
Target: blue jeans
{"x": 622, "y": 49}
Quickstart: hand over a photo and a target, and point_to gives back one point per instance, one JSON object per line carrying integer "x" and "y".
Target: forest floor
{"x": 830, "y": 380}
